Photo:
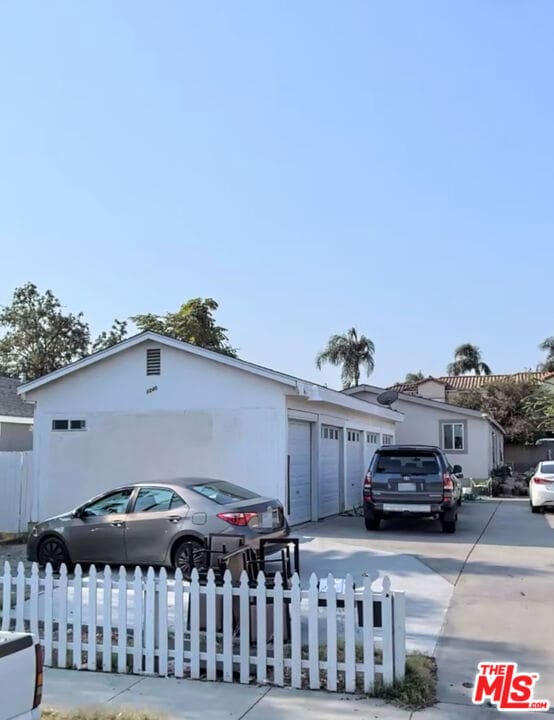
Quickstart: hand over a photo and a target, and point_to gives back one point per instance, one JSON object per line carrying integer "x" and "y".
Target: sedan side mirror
{"x": 457, "y": 469}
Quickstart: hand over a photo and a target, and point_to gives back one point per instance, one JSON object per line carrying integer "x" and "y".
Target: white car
{"x": 20, "y": 677}
{"x": 541, "y": 486}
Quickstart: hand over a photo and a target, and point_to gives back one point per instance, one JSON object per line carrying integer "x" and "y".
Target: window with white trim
{"x": 62, "y": 424}
{"x": 353, "y": 436}
{"x": 388, "y": 439}
{"x": 329, "y": 433}
{"x": 453, "y": 436}
{"x": 373, "y": 438}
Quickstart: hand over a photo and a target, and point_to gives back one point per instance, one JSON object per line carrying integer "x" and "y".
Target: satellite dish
{"x": 387, "y": 398}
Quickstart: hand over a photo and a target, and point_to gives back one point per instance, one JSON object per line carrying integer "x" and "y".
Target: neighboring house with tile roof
{"x": 441, "y": 388}
{"x": 16, "y": 418}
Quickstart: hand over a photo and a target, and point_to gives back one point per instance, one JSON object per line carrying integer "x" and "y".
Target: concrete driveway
{"x": 495, "y": 579}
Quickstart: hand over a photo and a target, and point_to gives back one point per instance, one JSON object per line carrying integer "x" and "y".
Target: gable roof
{"x": 304, "y": 388}
{"x": 11, "y": 405}
{"x": 436, "y": 404}
{"x": 471, "y": 382}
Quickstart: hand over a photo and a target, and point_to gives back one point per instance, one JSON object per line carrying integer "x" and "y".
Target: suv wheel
{"x": 448, "y": 526}
{"x": 373, "y": 523}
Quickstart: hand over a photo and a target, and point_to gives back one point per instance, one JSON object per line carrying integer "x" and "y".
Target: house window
{"x": 354, "y": 436}
{"x": 69, "y": 424}
{"x": 387, "y": 439}
{"x": 373, "y": 438}
{"x": 153, "y": 361}
{"x": 453, "y": 436}
{"x": 329, "y": 433}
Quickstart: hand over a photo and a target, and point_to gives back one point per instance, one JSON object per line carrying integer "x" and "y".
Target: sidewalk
{"x": 197, "y": 700}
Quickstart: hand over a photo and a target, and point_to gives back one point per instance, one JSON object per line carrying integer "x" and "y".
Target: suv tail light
{"x": 447, "y": 482}
{"x": 368, "y": 483}
{"x": 38, "y": 676}
{"x": 237, "y": 518}
{"x": 542, "y": 481}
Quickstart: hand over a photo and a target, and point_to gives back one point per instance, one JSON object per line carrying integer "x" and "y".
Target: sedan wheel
{"x": 189, "y": 555}
{"x": 534, "y": 508}
{"x": 52, "y": 552}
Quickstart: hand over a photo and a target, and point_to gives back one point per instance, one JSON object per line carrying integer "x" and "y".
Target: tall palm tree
{"x": 467, "y": 358}
{"x": 548, "y": 346}
{"x": 351, "y": 352}
{"x": 414, "y": 377}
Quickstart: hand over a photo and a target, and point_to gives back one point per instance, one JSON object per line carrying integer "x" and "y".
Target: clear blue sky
{"x": 311, "y": 165}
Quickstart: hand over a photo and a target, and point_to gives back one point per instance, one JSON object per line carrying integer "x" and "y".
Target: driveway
{"x": 499, "y": 568}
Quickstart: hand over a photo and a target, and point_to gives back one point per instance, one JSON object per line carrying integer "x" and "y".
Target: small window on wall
{"x": 387, "y": 439}
{"x": 354, "y": 436}
{"x": 329, "y": 433}
{"x": 69, "y": 424}
{"x": 373, "y": 438}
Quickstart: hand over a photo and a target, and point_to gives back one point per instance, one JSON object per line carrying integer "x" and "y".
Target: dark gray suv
{"x": 412, "y": 481}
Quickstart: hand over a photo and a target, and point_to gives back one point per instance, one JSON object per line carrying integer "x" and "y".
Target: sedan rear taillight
{"x": 542, "y": 481}
{"x": 237, "y": 518}
{"x": 38, "y": 676}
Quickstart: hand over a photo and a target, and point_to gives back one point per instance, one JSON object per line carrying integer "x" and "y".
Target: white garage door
{"x": 329, "y": 464}
{"x": 299, "y": 472}
{"x": 373, "y": 440}
{"x": 354, "y": 467}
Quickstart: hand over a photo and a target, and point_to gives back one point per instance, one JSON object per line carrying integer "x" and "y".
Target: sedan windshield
{"x": 223, "y": 493}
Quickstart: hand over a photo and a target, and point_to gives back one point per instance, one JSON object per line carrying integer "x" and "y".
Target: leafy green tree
{"x": 116, "y": 334}
{"x": 467, "y": 358}
{"x": 525, "y": 410}
{"x": 548, "y": 347}
{"x": 193, "y": 322}
{"x": 351, "y": 352}
{"x": 39, "y": 336}
{"x": 414, "y": 377}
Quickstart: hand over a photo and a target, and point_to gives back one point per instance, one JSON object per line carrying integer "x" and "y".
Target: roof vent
{"x": 153, "y": 361}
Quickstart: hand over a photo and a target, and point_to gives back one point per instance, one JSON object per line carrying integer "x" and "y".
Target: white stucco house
{"x": 153, "y": 407}
{"x": 468, "y": 437}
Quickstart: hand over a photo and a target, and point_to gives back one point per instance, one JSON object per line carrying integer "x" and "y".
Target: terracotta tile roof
{"x": 470, "y": 382}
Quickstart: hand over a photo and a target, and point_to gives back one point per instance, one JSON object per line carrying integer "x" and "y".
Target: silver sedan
{"x": 156, "y": 523}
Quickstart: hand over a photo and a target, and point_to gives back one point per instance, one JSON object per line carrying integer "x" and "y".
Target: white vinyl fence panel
{"x": 16, "y": 491}
{"x": 330, "y": 635}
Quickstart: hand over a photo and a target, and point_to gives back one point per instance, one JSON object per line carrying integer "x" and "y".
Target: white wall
{"x": 204, "y": 419}
{"x": 16, "y": 491}
{"x": 422, "y": 426}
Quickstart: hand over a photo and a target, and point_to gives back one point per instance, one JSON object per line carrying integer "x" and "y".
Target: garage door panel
{"x": 329, "y": 471}
{"x": 354, "y": 467}
{"x": 299, "y": 472}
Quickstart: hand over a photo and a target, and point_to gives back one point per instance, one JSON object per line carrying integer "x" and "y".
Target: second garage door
{"x": 329, "y": 466}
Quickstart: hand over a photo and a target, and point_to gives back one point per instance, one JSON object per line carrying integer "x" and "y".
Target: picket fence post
{"x": 399, "y": 633}
{"x": 179, "y": 645}
{"x": 244, "y": 602}
{"x": 138, "y": 613}
{"x": 331, "y": 603}
{"x": 278, "y": 631}
{"x": 368, "y": 639}
{"x": 122, "y": 620}
{"x": 227, "y": 627}
{"x": 313, "y": 631}
{"x": 6, "y": 596}
{"x": 194, "y": 613}
{"x": 48, "y": 607}
{"x": 77, "y": 625}
{"x": 295, "y": 636}
{"x": 62, "y": 618}
{"x": 210, "y": 605}
{"x": 388, "y": 644}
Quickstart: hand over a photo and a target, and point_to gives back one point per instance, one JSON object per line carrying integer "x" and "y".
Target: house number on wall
{"x": 151, "y": 389}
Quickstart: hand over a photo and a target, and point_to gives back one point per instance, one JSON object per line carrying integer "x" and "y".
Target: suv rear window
{"x": 407, "y": 464}
{"x": 223, "y": 493}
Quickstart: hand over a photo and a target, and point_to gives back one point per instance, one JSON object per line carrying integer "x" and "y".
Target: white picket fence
{"x": 148, "y": 623}
{"x": 16, "y": 491}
